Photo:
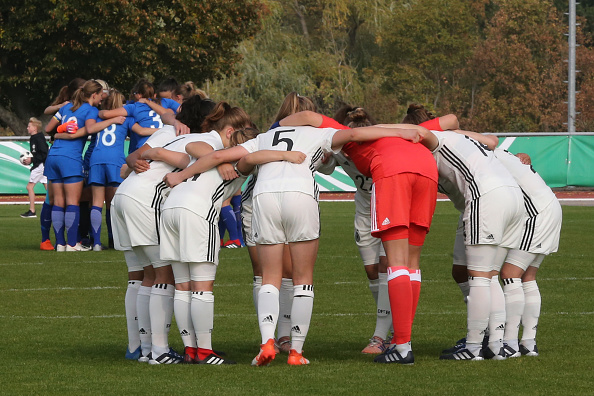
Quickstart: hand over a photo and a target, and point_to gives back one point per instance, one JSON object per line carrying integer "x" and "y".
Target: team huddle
{"x": 188, "y": 155}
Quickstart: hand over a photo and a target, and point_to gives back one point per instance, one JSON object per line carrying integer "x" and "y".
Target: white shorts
{"x": 285, "y": 217}
{"x": 523, "y": 259}
{"x": 132, "y": 261}
{"x": 37, "y": 175}
{"x": 149, "y": 255}
{"x": 541, "y": 233}
{"x": 495, "y": 218}
{"x": 188, "y": 238}
{"x": 185, "y": 272}
{"x": 246, "y": 222}
{"x": 459, "y": 248}
{"x": 134, "y": 223}
{"x": 369, "y": 246}
{"x": 485, "y": 258}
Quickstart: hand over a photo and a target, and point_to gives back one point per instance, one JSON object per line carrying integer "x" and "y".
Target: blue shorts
{"x": 60, "y": 169}
{"x": 105, "y": 175}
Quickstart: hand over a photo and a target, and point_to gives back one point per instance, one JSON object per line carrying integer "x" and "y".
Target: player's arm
{"x": 80, "y": 132}
{"x": 135, "y": 161}
{"x": 101, "y": 125}
{"x": 157, "y": 108}
{"x": 204, "y": 162}
{"x": 491, "y": 141}
{"x": 180, "y": 127}
{"x": 173, "y": 158}
{"x": 414, "y": 133}
{"x": 54, "y": 109}
{"x": 51, "y": 125}
{"x": 143, "y": 131}
{"x": 105, "y": 114}
{"x": 247, "y": 164}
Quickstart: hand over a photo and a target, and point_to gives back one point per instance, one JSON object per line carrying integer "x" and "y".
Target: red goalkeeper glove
{"x": 70, "y": 127}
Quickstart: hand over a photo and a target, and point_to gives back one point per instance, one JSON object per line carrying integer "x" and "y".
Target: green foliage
{"x": 63, "y": 325}
{"x": 47, "y": 43}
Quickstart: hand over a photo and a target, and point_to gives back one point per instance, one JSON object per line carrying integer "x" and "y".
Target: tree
{"x": 519, "y": 70}
{"x": 44, "y": 44}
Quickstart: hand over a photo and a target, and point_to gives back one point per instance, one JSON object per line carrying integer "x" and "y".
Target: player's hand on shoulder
{"x": 141, "y": 165}
{"x": 172, "y": 179}
{"x": 119, "y": 120}
{"x": 227, "y": 171}
{"x": 181, "y": 128}
{"x": 296, "y": 157}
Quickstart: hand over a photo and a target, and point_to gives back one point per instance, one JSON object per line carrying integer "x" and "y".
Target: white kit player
{"x": 189, "y": 241}
{"x": 542, "y": 228}
{"x": 135, "y": 216}
{"x": 492, "y": 225}
{"x": 371, "y": 252}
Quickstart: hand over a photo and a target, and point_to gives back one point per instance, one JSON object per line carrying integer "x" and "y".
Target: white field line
{"x": 249, "y": 315}
{"x": 248, "y": 284}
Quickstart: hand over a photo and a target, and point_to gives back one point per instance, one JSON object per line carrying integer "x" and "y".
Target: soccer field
{"x": 63, "y": 329}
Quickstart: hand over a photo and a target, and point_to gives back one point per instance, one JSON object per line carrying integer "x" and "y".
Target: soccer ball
{"x": 24, "y": 156}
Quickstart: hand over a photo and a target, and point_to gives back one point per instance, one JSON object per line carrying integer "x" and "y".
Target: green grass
{"x": 63, "y": 330}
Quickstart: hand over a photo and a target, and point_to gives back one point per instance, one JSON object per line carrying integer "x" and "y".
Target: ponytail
{"x": 242, "y": 135}
{"x": 223, "y": 114}
{"x": 417, "y": 114}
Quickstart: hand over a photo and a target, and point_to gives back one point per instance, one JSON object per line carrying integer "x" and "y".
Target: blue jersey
{"x": 170, "y": 104}
{"x": 109, "y": 148}
{"x": 73, "y": 148}
{"x": 146, "y": 118}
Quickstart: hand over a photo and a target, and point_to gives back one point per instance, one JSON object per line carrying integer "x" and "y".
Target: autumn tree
{"x": 519, "y": 70}
{"x": 44, "y": 44}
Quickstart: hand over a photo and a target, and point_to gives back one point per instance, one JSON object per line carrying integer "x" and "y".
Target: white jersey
{"x": 203, "y": 194}
{"x": 285, "y": 176}
{"x": 446, "y": 187}
{"x": 537, "y": 195}
{"x": 362, "y": 183}
{"x": 148, "y": 187}
{"x": 469, "y": 165}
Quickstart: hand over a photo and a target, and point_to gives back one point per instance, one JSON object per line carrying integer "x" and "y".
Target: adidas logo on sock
{"x": 142, "y": 331}
{"x": 287, "y": 316}
{"x": 386, "y": 221}
{"x": 184, "y": 332}
{"x": 535, "y": 327}
{"x": 383, "y": 311}
{"x": 490, "y": 237}
{"x": 501, "y": 327}
{"x": 296, "y": 329}
{"x": 268, "y": 319}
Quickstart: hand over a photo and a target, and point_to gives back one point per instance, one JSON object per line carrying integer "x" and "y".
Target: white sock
{"x": 404, "y": 349}
{"x": 531, "y": 311}
{"x": 496, "y": 316}
{"x": 161, "y": 307}
{"x": 514, "y": 307}
{"x": 203, "y": 317}
{"x": 465, "y": 289}
{"x": 383, "y": 319}
{"x": 301, "y": 315}
{"x": 285, "y": 304}
{"x": 374, "y": 289}
{"x": 479, "y": 308}
{"x": 183, "y": 317}
{"x": 143, "y": 299}
{"x": 131, "y": 317}
{"x": 255, "y": 290}
{"x": 268, "y": 307}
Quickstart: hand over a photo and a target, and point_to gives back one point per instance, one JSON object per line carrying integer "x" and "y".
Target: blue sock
{"x": 96, "y": 218}
{"x": 236, "y": 203}
{"x": 108, "y": 224}
{"x": 222, "y": 227}
{"x": 45, "y": 218}
{"x": 228, "y": 217}
{"x": 58, "y": 223}
{"x": 71, "y": 219}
